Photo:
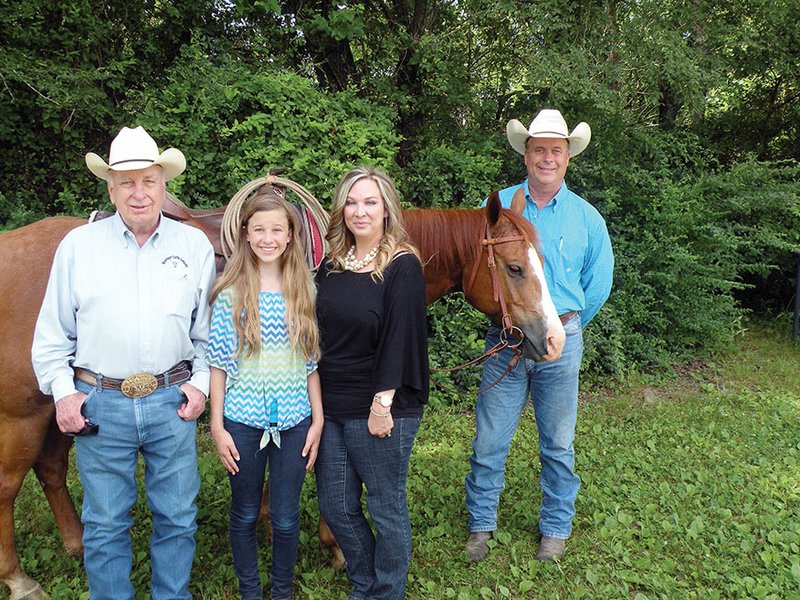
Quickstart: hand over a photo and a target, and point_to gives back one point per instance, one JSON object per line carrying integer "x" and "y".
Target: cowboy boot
{"x": 477, "y": 547}
{"x": 550, "y": 549}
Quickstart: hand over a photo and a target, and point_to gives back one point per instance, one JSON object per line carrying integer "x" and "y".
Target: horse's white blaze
{"x": 554, "y": 326}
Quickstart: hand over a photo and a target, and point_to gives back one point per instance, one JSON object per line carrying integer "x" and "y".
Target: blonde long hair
{"x": 241, "y": 275}
{"x": 395, "y": 238}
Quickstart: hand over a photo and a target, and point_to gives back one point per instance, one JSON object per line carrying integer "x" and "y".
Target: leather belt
{"x": 140, "y": 384}
{"x": 567, "y": 316}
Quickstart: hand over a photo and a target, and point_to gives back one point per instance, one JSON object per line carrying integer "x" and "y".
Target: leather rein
{"x": 509, "y": 330}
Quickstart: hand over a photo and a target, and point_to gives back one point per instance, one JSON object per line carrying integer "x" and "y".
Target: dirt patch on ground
{"x": 687, "y": 379}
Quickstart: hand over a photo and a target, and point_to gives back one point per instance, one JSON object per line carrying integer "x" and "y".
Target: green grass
{"x": 691, "y": 489}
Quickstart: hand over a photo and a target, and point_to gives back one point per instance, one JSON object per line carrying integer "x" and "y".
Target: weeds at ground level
{"x": 690, "y": 489}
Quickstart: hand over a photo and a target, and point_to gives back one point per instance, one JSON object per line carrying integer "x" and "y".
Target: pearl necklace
{"x": 350, "y": 262}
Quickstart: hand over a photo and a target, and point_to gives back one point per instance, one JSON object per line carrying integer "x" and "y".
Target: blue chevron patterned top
{"x": 271, "y": 387}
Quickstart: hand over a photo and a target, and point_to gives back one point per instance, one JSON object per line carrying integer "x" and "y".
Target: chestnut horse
{"x": 489, "y": 253}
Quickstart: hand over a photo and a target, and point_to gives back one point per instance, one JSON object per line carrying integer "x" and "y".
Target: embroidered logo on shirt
{"x": 174, "y": 262}
{"x": 177, "y": 268}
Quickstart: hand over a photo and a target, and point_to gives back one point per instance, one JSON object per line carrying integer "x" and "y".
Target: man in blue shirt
{"x": 578, "y": 268}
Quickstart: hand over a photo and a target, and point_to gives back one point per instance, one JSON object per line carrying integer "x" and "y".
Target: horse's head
{"x": 512, "y": 243}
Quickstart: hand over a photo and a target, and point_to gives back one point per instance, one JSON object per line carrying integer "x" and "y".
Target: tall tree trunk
{"x": 417, "y": 17}
{"x": 331, "y": 58}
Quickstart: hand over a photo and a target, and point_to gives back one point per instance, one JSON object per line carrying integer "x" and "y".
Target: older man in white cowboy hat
{"x": 578, "y": 268}
{"x": 120, "y": 344}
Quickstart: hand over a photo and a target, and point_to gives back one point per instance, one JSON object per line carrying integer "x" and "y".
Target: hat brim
{"x": 172, "y": 161}
{"x": 578, "y": 140}
{"x": 517, "y": 135}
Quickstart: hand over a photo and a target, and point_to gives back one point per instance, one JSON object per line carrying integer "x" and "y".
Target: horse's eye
{"x": 515, "y": 270}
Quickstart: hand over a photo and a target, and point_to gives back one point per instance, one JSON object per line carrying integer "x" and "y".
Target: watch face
{"x": 385, "y": 401}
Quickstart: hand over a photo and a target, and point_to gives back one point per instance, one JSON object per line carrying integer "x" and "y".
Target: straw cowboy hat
{"x": 134, "y": 149}
{"x": 549, "y": 124}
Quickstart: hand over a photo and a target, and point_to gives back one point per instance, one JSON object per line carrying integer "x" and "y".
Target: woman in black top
{"x": 374, "y": 375}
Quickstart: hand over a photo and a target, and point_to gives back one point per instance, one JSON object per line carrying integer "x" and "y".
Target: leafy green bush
{"x": 448, "y": 174}
{"x": 456, "y": 336}
{"x": 675, "y": 266}
{"x": 697, "y": 246}
{"x": 68, "y": 70}
{"x": 235, "y": 122}
{"x": 694, "y": 249}
{"x": 758, "y": 204}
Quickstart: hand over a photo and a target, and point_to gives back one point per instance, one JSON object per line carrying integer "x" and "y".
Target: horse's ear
{"x": 518, "y": 201}
{"x": 493, "y": 207}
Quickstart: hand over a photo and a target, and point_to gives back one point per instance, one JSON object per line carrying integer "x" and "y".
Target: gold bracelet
{"x": 377, "y": 414}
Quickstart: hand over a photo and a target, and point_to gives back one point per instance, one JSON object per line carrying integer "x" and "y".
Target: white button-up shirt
{"x": 117, "y": 309}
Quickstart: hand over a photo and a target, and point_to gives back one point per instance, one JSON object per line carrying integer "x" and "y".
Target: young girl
{"x": 265, "y": 394}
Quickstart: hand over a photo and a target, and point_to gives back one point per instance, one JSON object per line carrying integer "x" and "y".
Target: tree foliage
{"x": 693, "y": 106}
{"x": 236, "y": 122}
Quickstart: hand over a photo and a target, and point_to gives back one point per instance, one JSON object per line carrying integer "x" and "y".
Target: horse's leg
{"x": 325, "y": 533}
{"x": 263, "y": 513}
{"x": 25, "y": 413}
{"x": 51, "y": 470}
{"x": 19, "y": 584}
{"x": 327, "y": 540}
{"x": 19, "y": 446}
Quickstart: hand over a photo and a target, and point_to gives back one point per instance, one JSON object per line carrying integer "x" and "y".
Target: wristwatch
{"x": 384, "y": 401}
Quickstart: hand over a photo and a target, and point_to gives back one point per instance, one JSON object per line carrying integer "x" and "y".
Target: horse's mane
{"x": 451, "y": 237}
{"x": 525, "y": 226}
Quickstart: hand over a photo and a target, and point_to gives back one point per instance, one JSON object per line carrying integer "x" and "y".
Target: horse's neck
{"x": 447, "y": 240}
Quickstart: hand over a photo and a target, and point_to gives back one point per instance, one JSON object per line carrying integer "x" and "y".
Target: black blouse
{"x": 373, "y": 338}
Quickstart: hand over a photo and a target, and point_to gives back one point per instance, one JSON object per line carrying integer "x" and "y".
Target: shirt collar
{"x": 155, "y": 239}
{"x": 121, "y": 232}
{"x": 127, "y": 236}
{"x": 561, "y": 194}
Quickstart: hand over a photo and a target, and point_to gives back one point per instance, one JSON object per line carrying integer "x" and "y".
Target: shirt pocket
{"x": 568, "y": 255}
{"x": 178, "y": 293}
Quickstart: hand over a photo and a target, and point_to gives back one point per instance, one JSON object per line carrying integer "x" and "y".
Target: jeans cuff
{"x": 558, "y": 536}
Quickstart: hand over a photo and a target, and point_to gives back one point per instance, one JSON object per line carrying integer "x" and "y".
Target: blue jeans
{"x": 553, "y": 388}
{"x": 350, "y": 458}
{"x": 107, "y": 467}
{"x": 287, "y": 469}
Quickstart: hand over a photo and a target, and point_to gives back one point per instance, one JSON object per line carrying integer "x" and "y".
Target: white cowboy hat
{"x": 548, "y": 124}
{"x": 134, "y": 149}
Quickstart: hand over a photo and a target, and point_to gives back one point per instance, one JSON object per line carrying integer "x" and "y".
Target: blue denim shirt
{"x": 578, "y": 260}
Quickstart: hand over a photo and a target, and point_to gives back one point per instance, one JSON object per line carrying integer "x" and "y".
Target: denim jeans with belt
{"x": 349, "y": 459}
{"x": 287, "y": 469}
{"x": 107, "y": 466}
{"x": 553, "y": 389}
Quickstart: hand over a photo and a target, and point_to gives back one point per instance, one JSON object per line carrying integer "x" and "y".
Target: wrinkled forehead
{"x": 153, "y": 171}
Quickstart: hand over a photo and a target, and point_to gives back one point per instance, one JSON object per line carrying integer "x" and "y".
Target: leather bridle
{"x": 508, "y": 330}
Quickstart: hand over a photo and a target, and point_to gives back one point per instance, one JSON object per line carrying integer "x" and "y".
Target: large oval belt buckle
{"x": 139, "y": 385}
